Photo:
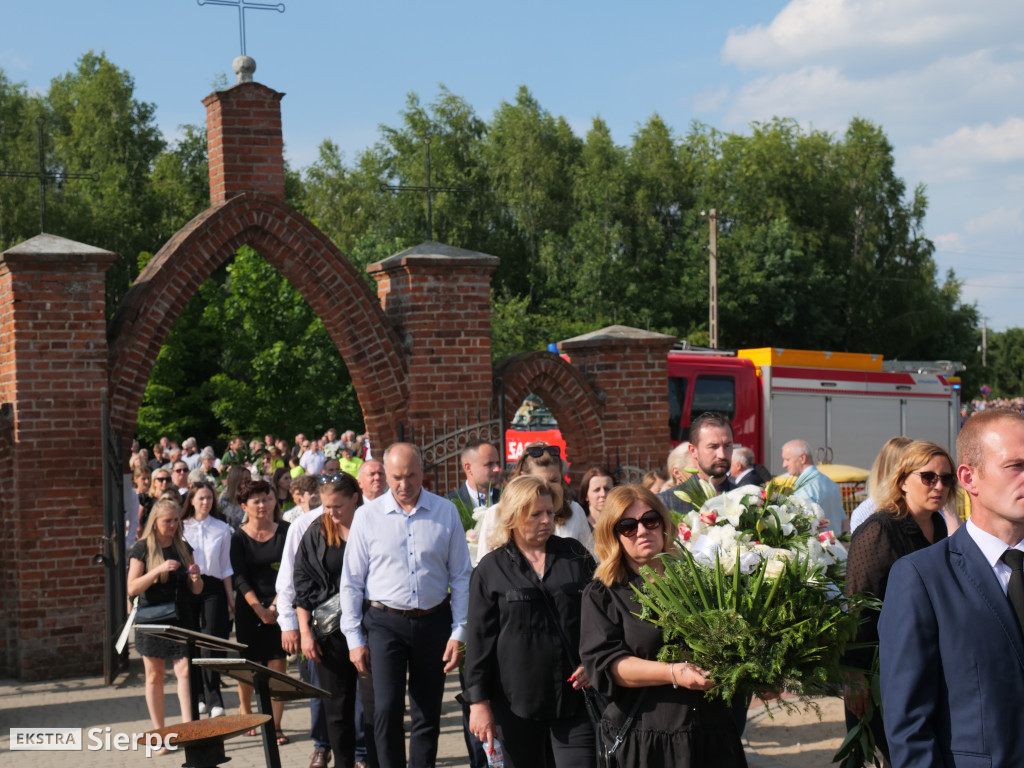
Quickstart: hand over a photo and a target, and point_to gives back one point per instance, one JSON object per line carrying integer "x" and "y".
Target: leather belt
{"x": 412, "y": 613}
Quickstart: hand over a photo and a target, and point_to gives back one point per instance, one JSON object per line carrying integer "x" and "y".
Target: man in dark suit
{"x": 482, "y": 464}
{"x": 950, "y": 640}
{"x": 744, "y": 471}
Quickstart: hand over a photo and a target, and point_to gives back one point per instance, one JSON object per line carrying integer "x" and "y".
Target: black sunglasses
{"x": 627, "y": 526}
{"x": 536, "y": 451}
{"x": 337, "y": 477}
{"x": 161, "y": 479}
{"x": 931, "y": 478}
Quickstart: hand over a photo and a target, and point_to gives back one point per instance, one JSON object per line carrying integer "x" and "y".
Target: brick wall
{"x": 244, "y": 141}
{"x": 299, "y": 251}
{"x": 53, "y": 370}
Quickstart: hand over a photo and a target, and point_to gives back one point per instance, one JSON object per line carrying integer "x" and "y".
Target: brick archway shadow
{"x": 570, "y": 398}
{"x": 294, "y": 246}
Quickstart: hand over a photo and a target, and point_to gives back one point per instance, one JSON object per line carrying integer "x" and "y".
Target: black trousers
{"x": 566, "y": 743}
{"x": 211, "y": 609}
{"x": 398, "y": 646}
{"x": 338, "y": 676}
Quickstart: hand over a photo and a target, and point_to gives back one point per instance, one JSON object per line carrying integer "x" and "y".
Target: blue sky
{"x": 944, "y": 79}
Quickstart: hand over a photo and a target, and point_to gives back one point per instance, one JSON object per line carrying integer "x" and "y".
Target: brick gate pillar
{"x": 438, "y": 299}
{"x": 629, "y": 368}
{"x": 53, "y": 370}
{"x": 244, "y": 141}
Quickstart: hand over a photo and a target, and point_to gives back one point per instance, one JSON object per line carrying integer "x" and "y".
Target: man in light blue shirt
{"x": 404, "y": 598}
{"x": 812, "y": 485}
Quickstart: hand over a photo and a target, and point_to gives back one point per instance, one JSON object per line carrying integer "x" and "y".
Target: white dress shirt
{"x": 285, "y": 584}
{"x": 406, "y": 560}
{"x": 992, "y": 548}
{"x": 211, "y": 546}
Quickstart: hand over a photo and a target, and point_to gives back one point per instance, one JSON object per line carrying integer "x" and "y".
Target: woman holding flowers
{"x": 658, "y": 709}
{"x": 909, "y": 518}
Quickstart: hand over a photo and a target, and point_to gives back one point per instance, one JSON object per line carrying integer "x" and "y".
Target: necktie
{"x": 1015, "y": 590}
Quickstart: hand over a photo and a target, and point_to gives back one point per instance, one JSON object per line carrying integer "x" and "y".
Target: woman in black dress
{"x": 317, "y": 579}
{"x": 909, "y": 518}
{"x": 160, "y": 570}
{"x": 256, "y": 550}
{"x": 674, "y": 725}
{"x": 523, "y": 674}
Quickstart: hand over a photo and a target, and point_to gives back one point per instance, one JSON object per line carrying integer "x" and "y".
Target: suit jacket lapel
{"x": 968, "y": 560}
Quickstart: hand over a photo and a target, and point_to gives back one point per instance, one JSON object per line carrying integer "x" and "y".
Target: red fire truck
{"x": 845, "y": 405}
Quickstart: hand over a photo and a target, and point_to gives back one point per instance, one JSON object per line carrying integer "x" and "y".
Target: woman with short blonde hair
{"x": 523, "y": 676}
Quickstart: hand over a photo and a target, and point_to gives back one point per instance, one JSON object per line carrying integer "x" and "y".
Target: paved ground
{"x": 787, "y": 741}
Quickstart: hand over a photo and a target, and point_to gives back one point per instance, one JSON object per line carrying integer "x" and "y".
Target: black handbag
{"x": 606, "y": 752}
{"x": 327, "y": 617}
{"x": 161, "y": 613}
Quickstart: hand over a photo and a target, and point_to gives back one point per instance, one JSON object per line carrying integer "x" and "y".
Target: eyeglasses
{"x": 931, "y": 478}
{"x": 179, "y": 470}
{"x": 536, "y": 451}
{"x": 628, "y": 526}
{"x": 337, "y": 477}
{"x": 163, "y": 479}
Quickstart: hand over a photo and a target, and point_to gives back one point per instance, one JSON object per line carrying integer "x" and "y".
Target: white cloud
{"x": 933, "y": 97}
{"x": 847, "y": 30}
{"x": 711, "y": 100}
{"x": 1002, "y": 221}
{"x": 11, "y": 60}
{"x": 950, "y": 240}
{"x": 959, "y": 155}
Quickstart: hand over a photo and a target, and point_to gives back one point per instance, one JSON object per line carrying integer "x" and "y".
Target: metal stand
{"x": 203, "y": 740}
{"x": 193, "y": 640}
{"x": 269, "y": 684}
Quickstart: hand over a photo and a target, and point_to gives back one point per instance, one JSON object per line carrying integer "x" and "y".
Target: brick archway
{"x": 572, "y": 400}
{"x": 337, "y": 293}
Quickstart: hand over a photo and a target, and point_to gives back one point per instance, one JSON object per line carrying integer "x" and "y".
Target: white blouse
{"x": 211, "y": 546}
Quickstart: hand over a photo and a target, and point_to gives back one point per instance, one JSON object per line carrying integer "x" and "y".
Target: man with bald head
{"x": 407, "y": 562}
{"x": 812, "y": 485}
{"x": 372, "y": 480}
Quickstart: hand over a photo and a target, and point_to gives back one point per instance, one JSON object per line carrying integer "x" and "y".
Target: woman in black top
{"x": 523, "y": 676}
{"x": 674, "y": 725}
{"x": 909, "y": 518}
{"x": 317, "y": 578}
{"x": 161, "y": 570}
{"x": 256, "y": 550}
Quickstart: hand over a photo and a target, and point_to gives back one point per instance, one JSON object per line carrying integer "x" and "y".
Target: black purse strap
{"x": 621, "y": 735}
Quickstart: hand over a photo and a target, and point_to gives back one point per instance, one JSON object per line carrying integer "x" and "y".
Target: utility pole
{"x": 984, "y": 342}
{"x": 712, "y": 218}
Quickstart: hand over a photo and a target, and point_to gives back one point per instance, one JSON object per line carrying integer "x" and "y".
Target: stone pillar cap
{"x": 431, "y": 254}
{"x": 618, "y": 336}
{"x": 47, "y": 247}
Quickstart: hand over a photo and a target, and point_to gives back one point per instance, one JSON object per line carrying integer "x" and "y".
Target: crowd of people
{"x": 372, "y": 581}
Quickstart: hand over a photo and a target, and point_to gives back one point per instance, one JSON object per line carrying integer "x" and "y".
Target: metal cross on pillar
{"x": 44, "y": 176}
{"x": 243, "y": 6}
{"x": 430, "y": 190}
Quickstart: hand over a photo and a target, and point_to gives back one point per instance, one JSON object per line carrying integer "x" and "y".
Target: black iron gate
{"x": 442, "y": 443}
{"x": 112, "y": 554}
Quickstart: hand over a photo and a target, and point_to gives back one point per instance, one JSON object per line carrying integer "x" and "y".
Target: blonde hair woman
{"x": 161, "y": 570}
{"x": 881, "y": 469}
{"x": 620, "y": 650}
{"x": 523, "y": 675}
